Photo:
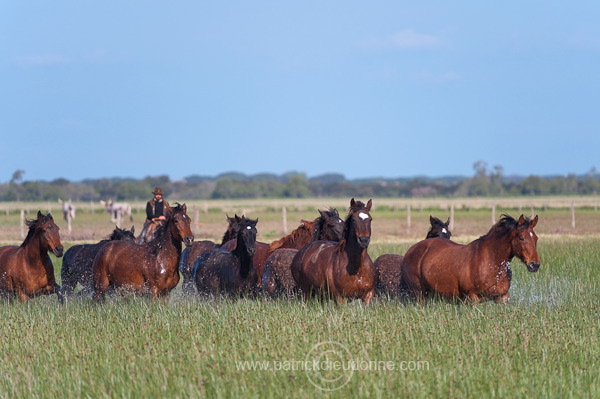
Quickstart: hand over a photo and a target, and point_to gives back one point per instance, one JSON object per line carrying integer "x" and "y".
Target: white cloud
{"x": 405, "y": 40}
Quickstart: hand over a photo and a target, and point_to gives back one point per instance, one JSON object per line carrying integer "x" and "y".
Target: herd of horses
{"x": 327, "y": 257}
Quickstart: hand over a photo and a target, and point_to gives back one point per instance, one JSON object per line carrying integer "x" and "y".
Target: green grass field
{"x": 545, "y": 343}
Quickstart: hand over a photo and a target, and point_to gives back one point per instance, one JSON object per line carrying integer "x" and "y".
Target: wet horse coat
{"x": 477, "y": 271}
{"x": 343, "y": 270}
{"x": 147, "y": 268}
{"x": 27, "y": 270}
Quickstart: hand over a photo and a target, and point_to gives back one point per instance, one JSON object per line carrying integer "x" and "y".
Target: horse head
{"x": 438, "y": 228}
{"x": 232, "y": 229}
{"x": 49, "y": 232}
{"x": 331, "y": 226}
{"x": 246, "y": 236}
{"x": 182, "y": 222}
{"x": 524, "y": 243}
{"x": 122, "y": 234}
{"x": 358, "y": 222}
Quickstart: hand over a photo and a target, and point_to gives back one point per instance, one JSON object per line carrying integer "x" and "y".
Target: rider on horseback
{"x": 157, "y": 211}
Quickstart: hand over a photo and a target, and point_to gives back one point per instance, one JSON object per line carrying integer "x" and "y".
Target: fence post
{"x": 408, "y": 218}
{"x": 572, "y": 214}
{"x": 493, "y": 214}
{"x": 22, "y": 223}
{"x": 451, "y": 226}
{"x": 284, "y": 217}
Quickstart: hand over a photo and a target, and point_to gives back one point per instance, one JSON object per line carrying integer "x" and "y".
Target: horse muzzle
{"x": 363, "y": 242}
{"x": 188, "y": 240}
{"x": 58, "y": 251}
{"x": 533, "y": 267}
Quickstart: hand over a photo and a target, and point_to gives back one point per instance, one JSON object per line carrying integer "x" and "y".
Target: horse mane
{"x": 161, "y": 230}
{"x": 329, "y": 213}
{"x": 118, "y": 233}
{"x": 230, "y": 233}
{"x": 505, "y": 225}
{"x": 299, "y": 232}
{"x": 33, "y": 224}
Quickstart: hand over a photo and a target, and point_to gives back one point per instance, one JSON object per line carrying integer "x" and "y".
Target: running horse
{"x": 476, "y": 271}
{"x": 343, "y": 270}
{"x": 277, "y": 277}
{"x": 190, "y": 254}
{"x": 218, "y": 271}
{"x": 388, "y": 265}
{"x": 27, "y": 270}
{"x": 148, "y": 268}
{"x": 78, "y": 260}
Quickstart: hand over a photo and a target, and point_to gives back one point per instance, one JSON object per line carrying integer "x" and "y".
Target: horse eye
{"x": 521, "y": 238}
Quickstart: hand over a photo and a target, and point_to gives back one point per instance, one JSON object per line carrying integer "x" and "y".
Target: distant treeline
{"x": 298, "y": 185}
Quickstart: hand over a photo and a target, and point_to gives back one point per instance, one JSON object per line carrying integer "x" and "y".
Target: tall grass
{"x": 545, "y": 343}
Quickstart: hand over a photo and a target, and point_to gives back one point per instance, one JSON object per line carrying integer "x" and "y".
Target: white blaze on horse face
{"x": 249, "y": 228}
{"x": 363, "y": 215}
{"x": 444, "y": 230}
{"x": 531, "y": 234}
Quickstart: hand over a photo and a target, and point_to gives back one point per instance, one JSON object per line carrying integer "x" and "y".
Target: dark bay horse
{"x": 277, "y": 277}
{"x": 218, "y": 271}
{"x": 190, "y": 254}
{"x": 343, "y": 270}
{"x": 149, "y": 268}
{"x": 78, "y": 260}
{"x": 388, "y": 265}
{"x": 477, "y": 271}
{"x": 26, "y": 270}
{"x": 259, "y": 258}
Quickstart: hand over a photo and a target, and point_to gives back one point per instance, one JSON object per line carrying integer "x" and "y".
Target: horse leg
{"x": 339, "y": 299}
{"x": 474, "y": 298}
{"x": 502, "y": 299}
{"x": 366, "y": 298}
{"x": 21, "y": 294}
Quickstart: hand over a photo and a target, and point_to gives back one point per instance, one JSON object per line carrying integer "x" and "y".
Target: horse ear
{"x": 369, "y": 204}
{"x": 132, "y": 229}
{"x": 521, "y": 220}
{"x": 534, "y": 221}
{"x": 322, "y": 213}
{"x": 39, "y": 215}
{"x": 431, "y": 219}
{"x": 352, "y": 203}
{"x": 237, "y": 219}
{"x": 448, "y": 221}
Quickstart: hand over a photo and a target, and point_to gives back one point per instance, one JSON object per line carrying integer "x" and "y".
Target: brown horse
{"x": 476, "y": 271}
{"x": 343, "y": 270}
{"x": 190, "y": 254}
{"x": 277, "y": 277}
{"x": 217, "y": 271}
{"x": 78, "y": 260}
{"x": 150, "y": 267}
{"x": 27, "y": 270}
{"x": 388, "y": 265}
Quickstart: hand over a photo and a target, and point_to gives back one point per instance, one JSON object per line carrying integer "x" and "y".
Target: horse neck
{"x": 168, "y": 241}
{"x": 34, "y": 248}
{"x": 497, "y": 247}
{"x": 245, "y": 259}
{"x": 297, "y": 239}
{"x": 354, "y": 252}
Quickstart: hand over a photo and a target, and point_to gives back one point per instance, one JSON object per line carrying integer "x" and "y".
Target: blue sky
{"x": 365, "y": 89}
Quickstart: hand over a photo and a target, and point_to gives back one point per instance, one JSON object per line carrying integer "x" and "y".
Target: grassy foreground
{"x": 545, "y": 343}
